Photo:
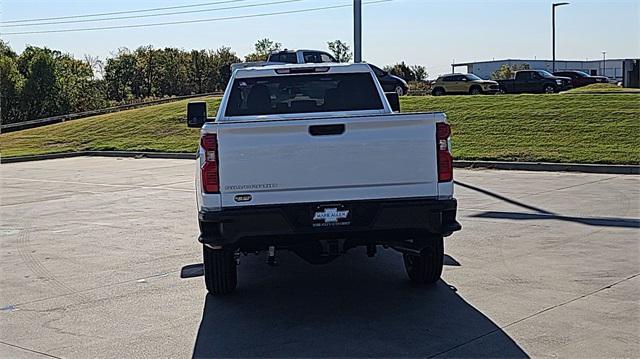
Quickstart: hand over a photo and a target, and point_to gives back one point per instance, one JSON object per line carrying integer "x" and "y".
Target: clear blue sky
{"x": 426, "y": 32}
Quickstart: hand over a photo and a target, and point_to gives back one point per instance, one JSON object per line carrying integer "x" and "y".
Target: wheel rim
{"x": 399, "y": 91}
{"x": 475, "y": 91}
{"x": 549, "y": 89}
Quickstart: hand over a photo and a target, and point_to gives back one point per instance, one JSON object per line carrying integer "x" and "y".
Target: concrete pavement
{"x": 92, "y": 250}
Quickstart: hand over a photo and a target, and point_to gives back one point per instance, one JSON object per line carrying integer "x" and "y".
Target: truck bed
{"x": 326, "y": 159}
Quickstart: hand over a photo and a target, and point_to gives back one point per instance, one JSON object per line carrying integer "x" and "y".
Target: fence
{"x": 74, "y": 116}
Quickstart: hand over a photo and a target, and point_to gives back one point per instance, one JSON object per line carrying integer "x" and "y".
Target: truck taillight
{"x": 209, "y": 169}
{"x": 445, "y": 160}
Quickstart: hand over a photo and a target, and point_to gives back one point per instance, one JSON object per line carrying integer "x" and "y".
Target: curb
{"x": 135, "y": 154}
{"x": 550, "y": 167}
{"x": 498, "y": 165}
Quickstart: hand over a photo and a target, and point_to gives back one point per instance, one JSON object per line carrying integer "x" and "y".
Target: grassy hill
{"x": 603, "y": 88}
{"x": 586, "y": 128}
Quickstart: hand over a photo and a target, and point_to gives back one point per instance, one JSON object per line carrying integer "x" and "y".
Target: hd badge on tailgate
{"x": 328, "y": 216}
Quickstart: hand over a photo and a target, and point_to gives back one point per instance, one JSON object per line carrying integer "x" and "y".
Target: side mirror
{"x": 196, "y": 114}
{"x": 394, "y": 101}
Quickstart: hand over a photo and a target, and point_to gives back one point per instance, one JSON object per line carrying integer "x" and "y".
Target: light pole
{"x": 357, "y": 30}
{"x": 553, "y": 30}
{"x": 604, "y": 63}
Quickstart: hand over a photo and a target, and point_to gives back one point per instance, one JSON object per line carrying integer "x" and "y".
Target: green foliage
{"x": 401, "y": 70}
{"x": 419, "y": 72}
{"x": 408, "y": 73}
{"x": 221, "y": 61}
{"x": 41, "y": 82}
{"x": 505, "y": 72}
{"x": 11, "y": 83}
{"x": 5, "y": 50}
{"x": 340, "y": 50}
{"x": 262, "y": 50}
{"x": 149, "y": 72}
{"x": 41, "y": 87}
{"x": 553, "y": 128}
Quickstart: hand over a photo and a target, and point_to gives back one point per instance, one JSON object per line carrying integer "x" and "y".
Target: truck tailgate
{"x": 328, "y": 159}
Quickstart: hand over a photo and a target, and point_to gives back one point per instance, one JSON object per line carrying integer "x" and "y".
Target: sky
{"x": 432, "y": 33}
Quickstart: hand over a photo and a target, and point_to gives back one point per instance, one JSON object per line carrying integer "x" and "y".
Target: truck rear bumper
{"x": 373, "y": 220}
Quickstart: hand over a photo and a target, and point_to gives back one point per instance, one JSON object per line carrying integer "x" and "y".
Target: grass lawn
{"x": 585, "y": 128}
{"x": 602, "y": 88}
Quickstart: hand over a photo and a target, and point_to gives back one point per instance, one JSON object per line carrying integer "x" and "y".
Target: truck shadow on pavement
{"x": 542, "y": 214}
{"x": 590, "y": 221}
{"x": 352, "y": 307}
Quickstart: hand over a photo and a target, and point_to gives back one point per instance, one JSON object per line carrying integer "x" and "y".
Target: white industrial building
{"x": 626, "y": 71}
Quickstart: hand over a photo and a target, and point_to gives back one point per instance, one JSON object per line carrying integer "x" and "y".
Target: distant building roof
{"x": 529, "y": 60}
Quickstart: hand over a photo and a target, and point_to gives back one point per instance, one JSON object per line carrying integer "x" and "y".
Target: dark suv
{"x": 389, "y": 82}
{"x": 579, "y": 78}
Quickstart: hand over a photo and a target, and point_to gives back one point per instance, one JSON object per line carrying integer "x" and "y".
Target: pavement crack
{"x": 29, "y": 350}
{"x": 534, "y": 315}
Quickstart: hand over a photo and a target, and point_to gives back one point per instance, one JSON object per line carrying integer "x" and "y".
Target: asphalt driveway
{"x": 98, "y": 258}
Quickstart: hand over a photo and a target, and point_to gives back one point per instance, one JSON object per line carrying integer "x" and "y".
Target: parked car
{"x": 389, "y": 82}
{"x": 579, "y": 78}
{"x": 316, "y": 160}
{"x": 534, "y": 81}
{"x": 463, "y": 84}
{"x": 288, "y": 57}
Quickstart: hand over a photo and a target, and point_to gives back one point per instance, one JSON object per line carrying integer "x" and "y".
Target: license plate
{"x": 330, "y": 216}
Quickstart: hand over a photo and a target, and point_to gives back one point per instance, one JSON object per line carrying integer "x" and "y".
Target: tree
{"x": 172, "y": 72}
{"x": 419, "y": 72}
{"x": 146, "y": 71}
{"x": 340, "y": 51}
{"x": 505, "y": 72}
{"x": 5, "y": 50}
{"x": 11, "y": 82}
{"x": 199, "y": 63}
{"x": 41, "y": 86}
{"x": 77, "y": 89}
{"x": 262, "y": 50}
{"x": 401, "y": 70}
{"x": 120, "y": 73}
{"x": 221, "y": 62}
{"x": 96, "y": 65}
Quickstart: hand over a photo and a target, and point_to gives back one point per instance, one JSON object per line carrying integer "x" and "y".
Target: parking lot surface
{"x": 98, "y": 257}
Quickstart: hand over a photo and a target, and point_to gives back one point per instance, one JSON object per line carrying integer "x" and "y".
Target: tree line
{"x": 40, "y": 82}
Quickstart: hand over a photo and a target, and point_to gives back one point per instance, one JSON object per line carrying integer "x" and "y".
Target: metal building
{"x": 626, "y": 71}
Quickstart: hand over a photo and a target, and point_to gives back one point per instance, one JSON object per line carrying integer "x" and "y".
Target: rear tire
{"x": 438, "y": 91}
{"x": 220, "y": 270}
{"x": 427, "y": 267}
{"x": 399, "y": 90}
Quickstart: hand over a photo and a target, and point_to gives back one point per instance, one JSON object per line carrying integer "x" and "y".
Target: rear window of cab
{"x": 275, "y": 95}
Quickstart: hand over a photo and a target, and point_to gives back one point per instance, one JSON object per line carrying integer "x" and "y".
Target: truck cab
{"x": 534, "y": 81}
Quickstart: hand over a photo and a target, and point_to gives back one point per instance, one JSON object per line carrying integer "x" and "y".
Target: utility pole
{"x": 357, "y": 30}
{"x": 604, "y": 63}
{"x": 553, "y": 31}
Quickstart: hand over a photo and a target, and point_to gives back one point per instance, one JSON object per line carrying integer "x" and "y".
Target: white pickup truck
{"x": 314, "y": 159}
